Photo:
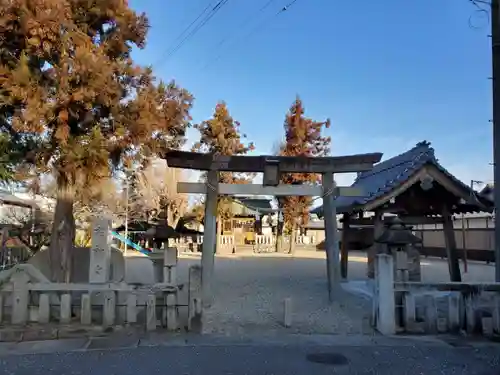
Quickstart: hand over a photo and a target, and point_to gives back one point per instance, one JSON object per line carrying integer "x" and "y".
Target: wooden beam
{"x": 256, "y": 189}
{"x": 409, "y": 220}
{"x": 287, "y": 164}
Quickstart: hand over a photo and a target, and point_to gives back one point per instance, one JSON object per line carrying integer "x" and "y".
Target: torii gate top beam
{"x": 287, "y": 164}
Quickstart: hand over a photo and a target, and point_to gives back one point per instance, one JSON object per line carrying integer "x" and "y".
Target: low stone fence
{"x": 431, "y": 308}
{"x": 27, "y": 298}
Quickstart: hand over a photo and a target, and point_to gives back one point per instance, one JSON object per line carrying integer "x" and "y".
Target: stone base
{"x": 37, "y": 332}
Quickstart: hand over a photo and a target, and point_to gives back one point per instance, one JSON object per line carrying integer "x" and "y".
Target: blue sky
{"x": 388, "y": 73}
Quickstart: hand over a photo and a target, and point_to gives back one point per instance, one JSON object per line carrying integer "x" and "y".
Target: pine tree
{"x": 221, "y": 135}
{"x": 72, "y": 98}
{"x": 303, "y": 137}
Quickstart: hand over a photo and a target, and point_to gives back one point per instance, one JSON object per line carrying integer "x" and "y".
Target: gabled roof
{"x": 389, "y": 175}
{"x": 255, "y": 204}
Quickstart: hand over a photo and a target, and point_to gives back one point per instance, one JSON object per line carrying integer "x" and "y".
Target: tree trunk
{"x": 292, "y": 238}
{"x": 172, "y": 217}
{"x": 279, "y": 236}
{"x": 62, "y": 238}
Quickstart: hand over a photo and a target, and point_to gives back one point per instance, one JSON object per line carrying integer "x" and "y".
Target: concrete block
{"x": 109, "y": 309}
{"x": 65, "y": 316}
{"x": 431, "y": 314}
{"x": 40, "y": 333}
{"x": 86, "y": 310}
{"x": 151, "y": 313}
{"x": 171, "y": 309}
{"x": 454, "y": 308}
{"x": 11, "y": 334}
{"x": 44, "y": 309}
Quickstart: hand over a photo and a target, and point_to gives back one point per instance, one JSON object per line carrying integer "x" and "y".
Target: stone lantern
{"x": 398, "y": 241}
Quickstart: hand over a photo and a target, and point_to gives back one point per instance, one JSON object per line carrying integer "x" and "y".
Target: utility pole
{"x": 495, "y": 55}
{"x": 126, "y": 212}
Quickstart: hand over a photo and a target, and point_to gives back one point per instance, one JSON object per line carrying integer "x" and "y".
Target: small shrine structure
{"x": 415, "y": 187}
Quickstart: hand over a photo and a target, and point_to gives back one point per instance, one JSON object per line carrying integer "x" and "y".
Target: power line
{"x": 172, "y": 46}
{"x": 247, "y": 22}
{"x": 197, "y": 28}
{"x": 258, "y": 27}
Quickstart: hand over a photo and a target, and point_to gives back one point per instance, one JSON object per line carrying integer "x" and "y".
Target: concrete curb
{"x": 122, "y": 342}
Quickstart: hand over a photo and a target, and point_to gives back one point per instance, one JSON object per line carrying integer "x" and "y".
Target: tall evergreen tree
{"x": 72, "y": 97}
{"x": 221, "y": 135}
{"x": 303, "y": 137}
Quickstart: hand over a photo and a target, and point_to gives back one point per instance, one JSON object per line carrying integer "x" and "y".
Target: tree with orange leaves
{"x": 303, "y": 137}
{"x": 221, "y": 135}
{"x": 72, "y": 98}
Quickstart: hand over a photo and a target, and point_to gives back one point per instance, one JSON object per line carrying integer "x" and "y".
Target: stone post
{"x": 386, "y": 316}
{"x": 194, "y": 303}
{"x": 100, "y": 254}
{"x": 170, "y": 266}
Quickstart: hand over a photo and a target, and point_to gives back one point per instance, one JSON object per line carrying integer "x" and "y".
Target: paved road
{"x": 288, "y": 357}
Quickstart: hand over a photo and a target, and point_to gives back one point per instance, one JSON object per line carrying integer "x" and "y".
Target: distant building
{"x": 243, "y": 224}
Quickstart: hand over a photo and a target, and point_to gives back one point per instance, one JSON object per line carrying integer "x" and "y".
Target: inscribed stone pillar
{"x": 386, "y": 318}
{"x": 100, "y": 254}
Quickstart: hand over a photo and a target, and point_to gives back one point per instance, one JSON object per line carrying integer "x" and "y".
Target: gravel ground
{"x": 250, "y": 292}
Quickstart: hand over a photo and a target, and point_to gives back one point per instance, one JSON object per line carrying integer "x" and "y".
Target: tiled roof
{"x": 388, "y": 175}
{"x": 488, "y": 191}
{"x": 255, "y": 203}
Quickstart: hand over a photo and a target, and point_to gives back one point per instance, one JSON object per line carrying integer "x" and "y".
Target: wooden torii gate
{"x": 272, "y": 167}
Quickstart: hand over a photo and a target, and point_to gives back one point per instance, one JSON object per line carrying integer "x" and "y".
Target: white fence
{"x": 228, "y": 243}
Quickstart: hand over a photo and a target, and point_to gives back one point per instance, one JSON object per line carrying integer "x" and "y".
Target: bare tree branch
{"x": 155, "y": 194}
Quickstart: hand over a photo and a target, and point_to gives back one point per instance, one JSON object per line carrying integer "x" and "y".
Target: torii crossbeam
{"x": 272, "y": 167}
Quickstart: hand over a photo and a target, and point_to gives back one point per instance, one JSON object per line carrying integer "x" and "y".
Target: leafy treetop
{"x": 221, "y": 135}
{"x": 302, "y": 138}
{"x": 72, "y": 98}
{"x": 71, "y": 93}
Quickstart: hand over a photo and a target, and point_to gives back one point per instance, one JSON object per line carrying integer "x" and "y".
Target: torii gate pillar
{"x": 331, "y": 240}
{"x": 209, "y": 238}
